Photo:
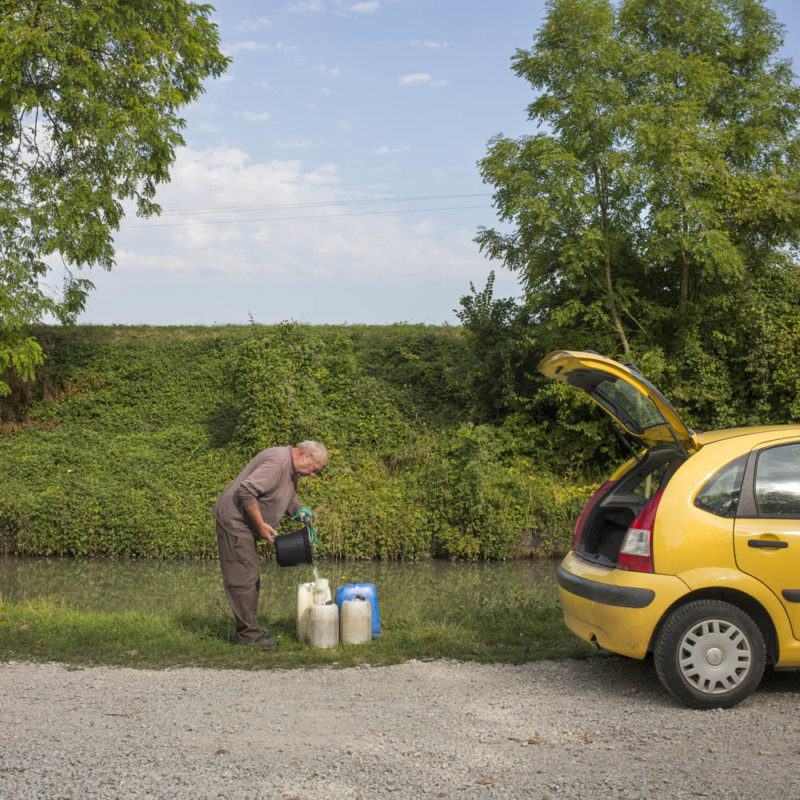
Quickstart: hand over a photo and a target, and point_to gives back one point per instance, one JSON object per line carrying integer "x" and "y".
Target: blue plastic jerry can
{"x": 369, "y": 593}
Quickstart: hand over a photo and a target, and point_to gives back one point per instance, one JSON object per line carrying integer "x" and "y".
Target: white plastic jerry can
{"x": 305, "y": 599}
{"x": 322, "y": 591}
{"x": 324, "y": 626}
{"x": 356, "y": 623}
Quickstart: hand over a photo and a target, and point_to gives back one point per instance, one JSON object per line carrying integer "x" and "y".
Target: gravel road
{"x": 601, "y": 728}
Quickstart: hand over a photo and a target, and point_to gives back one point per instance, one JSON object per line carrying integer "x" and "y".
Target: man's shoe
{"x": 266, "y": 642}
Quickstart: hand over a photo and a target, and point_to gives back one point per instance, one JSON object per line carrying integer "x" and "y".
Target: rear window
{"x": 720, "y": 495}
{"x": 630, "y": 407}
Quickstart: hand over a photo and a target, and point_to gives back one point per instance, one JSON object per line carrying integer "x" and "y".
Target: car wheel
{"x": 710, "y": 654}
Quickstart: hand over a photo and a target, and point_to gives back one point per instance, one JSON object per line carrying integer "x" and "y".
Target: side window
{"x": 720, "y": 494}
{"x": 651, "y": 483}
{"x": 650, "y": 475}
{"x": 777, "y": 484}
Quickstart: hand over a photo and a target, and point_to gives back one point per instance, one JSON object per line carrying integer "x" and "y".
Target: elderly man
{"x": 247, "y": 512}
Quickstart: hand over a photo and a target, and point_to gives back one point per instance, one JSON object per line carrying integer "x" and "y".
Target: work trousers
{"x": 241, "y": 575}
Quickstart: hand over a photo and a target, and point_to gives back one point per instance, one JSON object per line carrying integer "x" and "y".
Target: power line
{"x": 323, "y": 204}
{"x": 307, "y": 216}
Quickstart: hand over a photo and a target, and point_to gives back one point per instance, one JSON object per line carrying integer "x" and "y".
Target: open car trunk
{"x": 645, "y": 414}
{"x": 608, "y": 515}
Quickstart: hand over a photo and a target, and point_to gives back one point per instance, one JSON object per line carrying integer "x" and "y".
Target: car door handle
{"x": 775, "y": 543}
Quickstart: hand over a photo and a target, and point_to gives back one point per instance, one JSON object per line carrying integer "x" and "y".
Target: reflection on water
{"x": 107, "y": 585}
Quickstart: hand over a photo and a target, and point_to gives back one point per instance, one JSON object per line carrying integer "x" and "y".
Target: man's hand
{"x": 263, "y": 530}
{"x": 267, "y": 532}
{"x": 305, "y": 515}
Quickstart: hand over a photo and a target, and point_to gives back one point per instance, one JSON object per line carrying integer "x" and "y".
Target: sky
{"x": 330, "y": 176}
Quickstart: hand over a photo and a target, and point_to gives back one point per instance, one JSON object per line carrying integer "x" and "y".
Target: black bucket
{"x": 293, "y": 548}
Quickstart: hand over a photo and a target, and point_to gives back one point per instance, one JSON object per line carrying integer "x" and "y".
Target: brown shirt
{"x": 269, "y": 480}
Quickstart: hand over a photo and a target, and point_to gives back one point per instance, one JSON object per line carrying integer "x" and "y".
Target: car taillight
{"x": 587, "y": 510}
{"x": 636, "y": 553}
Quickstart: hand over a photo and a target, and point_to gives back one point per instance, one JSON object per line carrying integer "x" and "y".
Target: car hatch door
{"x": 623, "y": 393}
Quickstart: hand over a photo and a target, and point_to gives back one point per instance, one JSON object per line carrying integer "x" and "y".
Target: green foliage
{"x": 653, "y": 218}
{"x": 568, "y": 193}
{"x": 300, "y": 383}
{"x": 665, "y": 182}
{"x": 134, "y": 432}
{"x": 397, "y": 486}
{"x": 497, "y": 333}
{"x": 22, "y": 354}
{"x": 90, "y": 94}
{"x": 484, "y": 488}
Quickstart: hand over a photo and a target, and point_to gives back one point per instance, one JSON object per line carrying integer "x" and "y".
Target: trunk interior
{"x": 605, "y": 526}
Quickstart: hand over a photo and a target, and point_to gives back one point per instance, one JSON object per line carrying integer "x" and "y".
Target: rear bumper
{"x": 615, "y": 609}
{"x": 608, "y": 594}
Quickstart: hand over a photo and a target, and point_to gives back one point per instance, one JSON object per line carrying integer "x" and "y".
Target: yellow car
{"x": 691, "y": 550}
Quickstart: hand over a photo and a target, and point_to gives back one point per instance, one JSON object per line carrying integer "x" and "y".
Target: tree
{"x": 495, "y": 331}
{"x": 568, "y": 190}
{"x": 656, "y": 214}
{"x": 714, "y": 132}
{"x": 671, "y": 149}
{"x": 90, "y": 94}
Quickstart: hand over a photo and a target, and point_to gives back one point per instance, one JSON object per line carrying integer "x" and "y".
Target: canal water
{"x": 163, "y": 587}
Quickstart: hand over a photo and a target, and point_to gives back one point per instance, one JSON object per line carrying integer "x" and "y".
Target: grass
{"x": 487, "y": 628}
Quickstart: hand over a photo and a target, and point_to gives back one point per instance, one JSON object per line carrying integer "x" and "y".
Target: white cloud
{"x": 306, "y": 7}
{"x": 251, "y": 46}
{"x": 330, "y": 72}
{"x": 420, "y": 79}
{"x": 414, "y": 79}
{"x": 200, "y": 107}
{"x": 365, "y": 8}
{"x": 424, "y": 228}
{"x": 431, "y": 45}
{"x": 344, "y": 125}
{"x": 299, "y": 145}
{"x": 386, "y": 150}
{"x": 282, "y": 47}
{"x": 260, "y": 24}
{"x": 248, "y": 46}
{"x": 227, "y": 217}
{"x": 254, "y": 116}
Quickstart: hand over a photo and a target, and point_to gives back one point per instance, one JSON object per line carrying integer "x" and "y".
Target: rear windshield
{"x": 630, "y": 407}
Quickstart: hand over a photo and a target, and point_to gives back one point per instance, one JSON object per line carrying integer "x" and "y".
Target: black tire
{"x": 710, "y": 654}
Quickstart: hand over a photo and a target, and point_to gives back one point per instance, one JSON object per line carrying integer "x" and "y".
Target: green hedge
{"x": 131, "y": 433}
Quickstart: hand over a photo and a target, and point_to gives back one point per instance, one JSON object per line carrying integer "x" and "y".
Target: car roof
{"x": 761, "y": 432}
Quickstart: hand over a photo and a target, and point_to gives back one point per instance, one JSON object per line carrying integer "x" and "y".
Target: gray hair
{"x": 316, "y": 450}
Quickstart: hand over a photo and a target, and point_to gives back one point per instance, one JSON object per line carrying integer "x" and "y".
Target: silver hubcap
{"x": 714, "y": 656}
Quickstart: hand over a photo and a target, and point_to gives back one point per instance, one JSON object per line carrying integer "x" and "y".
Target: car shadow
{"x": 780, "y": 681}
{"x": 629, "y": 678}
